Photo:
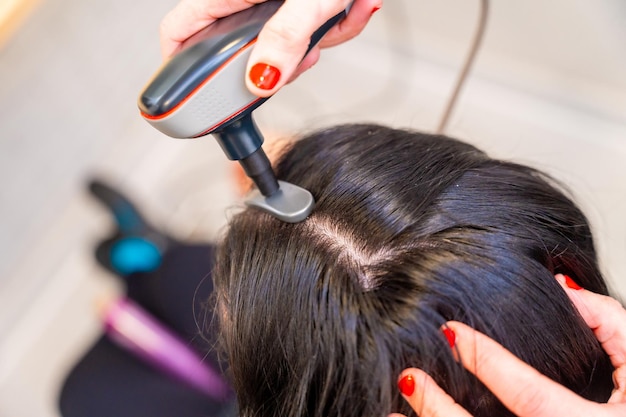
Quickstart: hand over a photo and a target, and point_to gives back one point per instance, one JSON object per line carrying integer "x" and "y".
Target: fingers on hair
{"x": 605, "y": 316}
{"x": 429, "y": 400}
{"x": 527, "y": 393}
{"x": 619, "y": 379}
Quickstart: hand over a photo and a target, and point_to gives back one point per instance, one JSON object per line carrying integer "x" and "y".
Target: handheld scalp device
{"x": 201, "y": 91}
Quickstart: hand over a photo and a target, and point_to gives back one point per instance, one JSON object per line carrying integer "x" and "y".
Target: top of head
{"x": 409, "y": 231}
{"x": 201, "y": 88}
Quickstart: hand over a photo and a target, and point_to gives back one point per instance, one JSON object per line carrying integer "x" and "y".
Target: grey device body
{"x": 201, "y": 91}
{"x": 202, "y": 87}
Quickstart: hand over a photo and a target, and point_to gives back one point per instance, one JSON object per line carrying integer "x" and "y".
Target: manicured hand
{"x": 277, "y": 55}
{"x": 528, "y": 393}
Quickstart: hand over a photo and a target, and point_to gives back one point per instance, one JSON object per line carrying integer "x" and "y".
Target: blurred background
{"x": 548, "y": 89}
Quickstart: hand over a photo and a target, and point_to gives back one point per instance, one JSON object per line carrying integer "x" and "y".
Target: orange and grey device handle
{"x": 202, "y": 87}
{"x": 201, "y": 90}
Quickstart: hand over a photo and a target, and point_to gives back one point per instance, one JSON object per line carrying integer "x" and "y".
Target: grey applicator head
{"x": 291, "y": 204}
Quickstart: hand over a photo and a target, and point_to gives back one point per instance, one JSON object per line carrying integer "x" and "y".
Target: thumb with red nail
{"x": 279, "y": 54}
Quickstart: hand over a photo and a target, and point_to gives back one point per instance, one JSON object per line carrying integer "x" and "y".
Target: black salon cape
{"x": 110, "y": 382}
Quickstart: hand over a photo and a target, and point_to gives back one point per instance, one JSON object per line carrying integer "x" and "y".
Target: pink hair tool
{"x": 135, "y": 330}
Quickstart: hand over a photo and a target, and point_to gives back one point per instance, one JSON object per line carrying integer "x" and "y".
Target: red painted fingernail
{"x": 571, "y": 283}
{"x": 375, "y": 9}
{"x": 407, "y": 385}
{"x": 264, "y": 76}
{"x": 450, "y": 336}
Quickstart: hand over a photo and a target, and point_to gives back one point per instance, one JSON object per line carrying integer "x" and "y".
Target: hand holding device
{"x": 200, "y": 91}
{"x": 282, "y": 42}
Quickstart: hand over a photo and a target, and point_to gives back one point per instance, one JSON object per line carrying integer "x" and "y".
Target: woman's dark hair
{"x": 409, "y": 231}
